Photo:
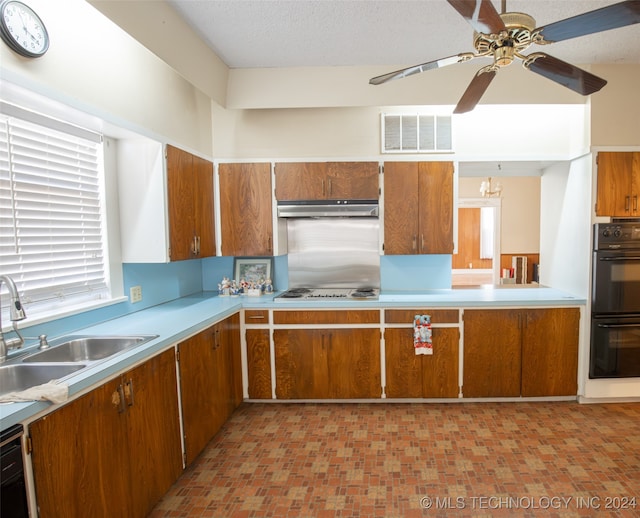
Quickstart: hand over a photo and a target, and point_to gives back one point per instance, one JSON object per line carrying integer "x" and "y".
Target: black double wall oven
{"x": 615, "y": 300}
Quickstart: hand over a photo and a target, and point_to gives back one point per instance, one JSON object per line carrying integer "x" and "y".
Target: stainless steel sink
{"x": 87, "y": 348}
{"x": 15, "y": 378}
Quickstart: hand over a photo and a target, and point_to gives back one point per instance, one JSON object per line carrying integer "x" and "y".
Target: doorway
{"x": 476, "y": 260}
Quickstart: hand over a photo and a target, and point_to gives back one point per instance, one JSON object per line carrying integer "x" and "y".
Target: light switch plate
{"x": 135, "y": 294}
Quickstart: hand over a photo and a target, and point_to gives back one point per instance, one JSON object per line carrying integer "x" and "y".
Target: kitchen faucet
{"x": 16, "y": 312}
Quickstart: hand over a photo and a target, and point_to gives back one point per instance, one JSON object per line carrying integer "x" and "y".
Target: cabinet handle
{"x": 194, "y": 246}
{"x": 330, "y": 187}
{"x": 121, "y": 401}
{"x": 414, "y": 244}
{"x": 627, "y": 200}
{"x": 323, "y": 191}
{"x": 256, "y": 317}
{"x": 421, "y": 242}
{"x": 128, "y": 391}
{"x": 635, "y": 203}
{"x": 197, "y": 245}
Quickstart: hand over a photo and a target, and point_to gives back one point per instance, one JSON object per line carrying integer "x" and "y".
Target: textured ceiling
{"x": 294, "y": 33}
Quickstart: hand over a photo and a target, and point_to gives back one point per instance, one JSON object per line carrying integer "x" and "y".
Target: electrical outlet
{"x": 135, "y": 294}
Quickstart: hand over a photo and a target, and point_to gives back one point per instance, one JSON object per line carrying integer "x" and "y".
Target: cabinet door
{"x": 180, "y": 194}
{"x": 421, "y": 376}
{"x": 203, "y": 207}
{"x": 440, "y": 370}
{"x": 352, "y": 181}
{"x": 155, "y": 449}
{"x": 232, "y": 338}
{"x": 301, "y": 364}
{"x": 354, "y": 363}
{"x": 401, "y": 208}
{"x": 403, "y": 367}
{"x": 614, "y": 184}
{"x": 258, "y": 363}
{"x": 436, "y": 208}
{"x": 301, "y": 181}
{"x": 198, "y": 389}
{"x": 492, "y": 353}
{"x": 550, "y": 352}
{"x": 245, "y": 209}
{"x": 80, "y": 457}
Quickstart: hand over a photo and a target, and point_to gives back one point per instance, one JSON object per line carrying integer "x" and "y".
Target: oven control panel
{"x": 616, "y": 235}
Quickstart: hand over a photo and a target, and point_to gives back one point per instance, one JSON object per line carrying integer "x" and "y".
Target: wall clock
{"x": 22, "y": 29}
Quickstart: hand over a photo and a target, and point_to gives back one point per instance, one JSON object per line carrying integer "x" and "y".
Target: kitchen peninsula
{"x": 179, "y": 319}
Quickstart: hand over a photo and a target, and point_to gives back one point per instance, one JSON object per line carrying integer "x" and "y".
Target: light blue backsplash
{"x": 168, "y": 281}
{"x": 415, "y": 272}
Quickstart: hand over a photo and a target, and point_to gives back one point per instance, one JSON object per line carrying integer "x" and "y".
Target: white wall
{"x": 95, "y": 66}
{"x": 159, "y": 28}
{"x": 565, "y": 242}
{"x": 615, "y": 111}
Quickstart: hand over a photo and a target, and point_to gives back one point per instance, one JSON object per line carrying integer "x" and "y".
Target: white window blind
{"x": 51, "y": 234}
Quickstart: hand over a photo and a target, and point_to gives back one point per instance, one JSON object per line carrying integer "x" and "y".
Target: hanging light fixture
{"x": 491, "y": 191}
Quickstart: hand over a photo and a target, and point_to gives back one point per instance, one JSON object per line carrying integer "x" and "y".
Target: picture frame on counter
{"x": 253, "y": 269}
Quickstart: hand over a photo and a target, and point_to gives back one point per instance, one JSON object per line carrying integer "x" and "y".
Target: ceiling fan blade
{"x": 476, "y": 89}
{"x": 564, "y": 73}
{"x": 438, "y": 63}
{"x": 610, "y": 17}
{"x": 481, "y": 14}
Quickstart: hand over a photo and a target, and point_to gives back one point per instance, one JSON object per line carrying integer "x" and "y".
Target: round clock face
{"x": 22, "y": 29}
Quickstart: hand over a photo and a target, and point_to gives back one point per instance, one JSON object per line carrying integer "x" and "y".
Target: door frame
{"x": 496, "y": 204}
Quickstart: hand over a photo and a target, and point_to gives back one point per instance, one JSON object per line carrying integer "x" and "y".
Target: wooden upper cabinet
{"x": 190, "y": 205}
{"x": 418, "y": 208}
{"x": 618, "y": 184}
{"x": 327, "y": 181}
{"x": 245, "y": 209}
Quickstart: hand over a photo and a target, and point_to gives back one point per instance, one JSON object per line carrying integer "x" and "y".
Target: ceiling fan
{"x": 504, "y": 37}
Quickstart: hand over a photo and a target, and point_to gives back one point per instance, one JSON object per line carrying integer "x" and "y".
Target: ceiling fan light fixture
{"x": 504, "y": 55}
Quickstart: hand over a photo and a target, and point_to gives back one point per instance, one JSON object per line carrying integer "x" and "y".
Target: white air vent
{"x": 416, "y": 133}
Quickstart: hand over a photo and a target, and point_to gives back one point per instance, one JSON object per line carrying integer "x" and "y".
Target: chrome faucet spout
{"x": 16, "y": 313}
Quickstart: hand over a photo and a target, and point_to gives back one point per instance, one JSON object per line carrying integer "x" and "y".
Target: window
{"x": 413, "y": 133}
{"x": 52, "y": 239}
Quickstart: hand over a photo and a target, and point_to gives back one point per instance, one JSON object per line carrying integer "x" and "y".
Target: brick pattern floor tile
{"x": 405, "y": 460}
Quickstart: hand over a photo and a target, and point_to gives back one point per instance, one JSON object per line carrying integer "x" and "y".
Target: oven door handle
{"x": 618, "y": 325}
{"x": 621, "y": 258}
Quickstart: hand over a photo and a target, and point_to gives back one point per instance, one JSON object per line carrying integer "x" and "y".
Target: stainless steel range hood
{"x": 328, "y": 208}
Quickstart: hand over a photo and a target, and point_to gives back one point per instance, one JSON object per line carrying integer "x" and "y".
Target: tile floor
{"x": 405, "y": 460}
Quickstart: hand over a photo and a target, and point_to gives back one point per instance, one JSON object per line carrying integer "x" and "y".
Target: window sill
{"x": 62, "y": 312}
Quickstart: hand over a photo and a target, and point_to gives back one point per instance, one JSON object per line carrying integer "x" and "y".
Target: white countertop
{"x": 176, "y": 320}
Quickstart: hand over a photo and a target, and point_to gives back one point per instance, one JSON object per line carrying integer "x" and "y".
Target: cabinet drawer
{"x": 327, "y": 317}
{"x": 405, "y": 316}
{"x": 256, "y": 316}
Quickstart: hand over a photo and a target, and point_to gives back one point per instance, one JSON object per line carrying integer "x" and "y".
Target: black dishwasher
{"x": 13, "y": 496}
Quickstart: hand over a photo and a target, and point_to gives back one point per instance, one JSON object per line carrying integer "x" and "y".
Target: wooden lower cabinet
{"x": 114, "y": 451}
{"x": 550, "y": 352}
{"x": 258, "y": 363}
{"x": 210, "y": 382}
{"x": 421, "y": 376}
{"x": 327, "y": 363}
{"x": 521, "y": 352}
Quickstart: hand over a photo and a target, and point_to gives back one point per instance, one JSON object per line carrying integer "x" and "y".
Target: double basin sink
{"x": 64, "y": 358}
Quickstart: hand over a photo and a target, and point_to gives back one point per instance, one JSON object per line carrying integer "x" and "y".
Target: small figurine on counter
{"x": 224, "y": 287}
{"x": 268, "y": 286}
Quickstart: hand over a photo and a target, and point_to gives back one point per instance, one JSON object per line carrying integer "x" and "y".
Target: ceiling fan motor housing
{"x": 506, "y": 45}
